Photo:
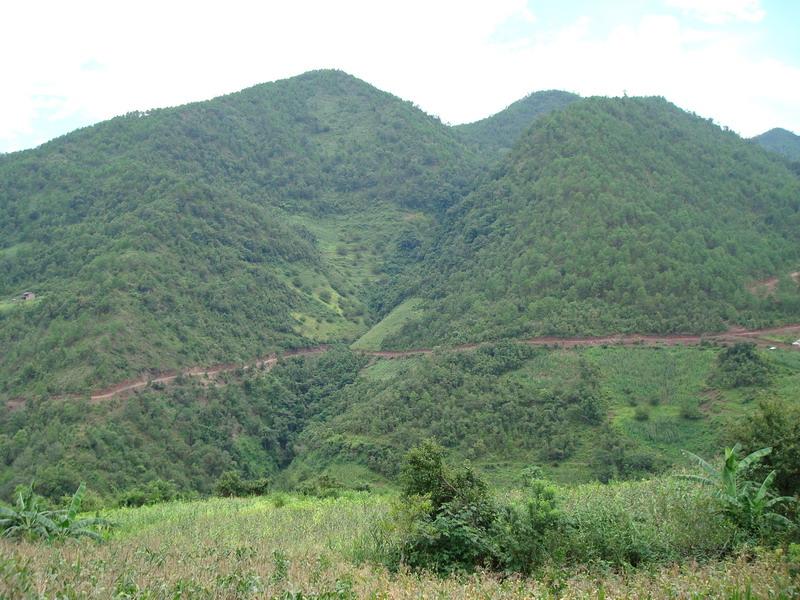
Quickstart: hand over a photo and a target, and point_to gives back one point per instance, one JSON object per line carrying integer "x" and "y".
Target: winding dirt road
{"x": 208, "y": 374}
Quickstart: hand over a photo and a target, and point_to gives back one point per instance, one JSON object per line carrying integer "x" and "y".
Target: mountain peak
{"x": 782, "y": 141}
{"x": 496, "y": 135}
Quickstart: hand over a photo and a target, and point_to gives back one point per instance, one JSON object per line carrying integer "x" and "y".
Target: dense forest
{"x": 781, "y": 141}
{"x": 215, "y": 231}
{"x": 496, "y": 135}
{"x": 320, "y": 210}
{"x": 305, "y": 211}
{"x": 335, "y": 419}
{"x": 613, "y": 215}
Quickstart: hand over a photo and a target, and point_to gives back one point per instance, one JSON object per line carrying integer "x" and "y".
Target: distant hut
{"x": 28, "y": 296}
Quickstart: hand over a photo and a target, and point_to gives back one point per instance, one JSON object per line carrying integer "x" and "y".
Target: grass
{"x": 284, "y": 546}
{"x": 16, "y": 303}
{"x": 391, "y": 324}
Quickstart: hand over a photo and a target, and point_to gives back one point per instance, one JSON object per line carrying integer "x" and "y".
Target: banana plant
{"x": 748, "y": 504}
{"x": 27, "y": 519}
{"x": 68, "y": 525}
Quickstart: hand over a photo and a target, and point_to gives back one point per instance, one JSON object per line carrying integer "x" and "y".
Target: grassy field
{"x": 294, "y": 547}
{"x": 391, "y": 324}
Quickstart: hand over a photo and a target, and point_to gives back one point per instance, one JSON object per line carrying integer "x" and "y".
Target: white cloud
{"x": 721, "y": 11}
{"x": 84, "y": 61}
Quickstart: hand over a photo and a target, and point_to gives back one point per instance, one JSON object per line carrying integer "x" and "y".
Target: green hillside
{"x": 215, "y": 231}
{"x": 613, "y": 215}
{"x": 582, "y": 414}
{"x": 781, "y": 141}
{"x": 495, "y": 135}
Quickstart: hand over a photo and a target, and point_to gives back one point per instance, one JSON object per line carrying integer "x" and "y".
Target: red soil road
{"x": 267, "y": 362}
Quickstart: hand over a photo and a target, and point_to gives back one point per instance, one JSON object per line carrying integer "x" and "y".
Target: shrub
{"x": 521, "y": 533}
{"x": 448, "y": 513}
{"x": 690, "y": 410}
{"x": 776, "y": 424}
{"x": 740, "y": 365}
{"x": 448, "y": 519}
{"x": 323, "y": 486}
{"x": 153, "y": 492}
{"x": 231, "y": 485}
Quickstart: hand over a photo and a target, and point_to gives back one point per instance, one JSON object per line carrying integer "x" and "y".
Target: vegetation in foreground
{"x": 282, "y": 546}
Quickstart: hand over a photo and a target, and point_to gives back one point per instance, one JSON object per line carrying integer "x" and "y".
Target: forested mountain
{"x": 214, "y": 231}
{"x": 781, "y": 141}
{"x": 496, "y": 135}
{"x": 319, "y": 209}
{"x": 613, "y": 215}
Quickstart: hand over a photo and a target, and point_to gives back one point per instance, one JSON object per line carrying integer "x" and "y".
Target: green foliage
{"x": 775, "y": 423}
{"x": 159, "y": 445}
{"x": 174, "y": 237}
{"x": 448, "y": 513}
{"x": 750, "y": 505}
{"x": 231, "y": 485}
{"x": 523, "y": 533}
{"x": 605, "y": 219}
{"x": 27, "y": 519}
{"x": 153, "y": 492}
{"x": 619, "y": 457}
{"x": 484, "y": 404}
{"x": 780, "y": 141}
{"x": 496, "y": 135}
{"x": 740, "y": 365}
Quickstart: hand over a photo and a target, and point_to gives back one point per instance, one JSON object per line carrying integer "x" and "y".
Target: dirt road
{"x": 208, "y": 374}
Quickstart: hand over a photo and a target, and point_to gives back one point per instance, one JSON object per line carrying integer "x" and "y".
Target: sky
{"x": 64, "y": 65}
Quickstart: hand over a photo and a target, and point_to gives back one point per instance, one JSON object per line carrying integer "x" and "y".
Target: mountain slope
{"x": 781, "y": 141}
{"x": 613, "y": 215}
{"x": 497, "y": 134}
{"x": 214, "y": 231}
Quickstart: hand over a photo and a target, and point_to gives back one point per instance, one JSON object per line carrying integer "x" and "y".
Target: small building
{"x": 797, "y": 343}
{"x": 28, "y": 296}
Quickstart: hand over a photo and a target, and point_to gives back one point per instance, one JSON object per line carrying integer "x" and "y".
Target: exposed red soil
{"x": 767, "y": 286}
{"x": 209, "y": 374}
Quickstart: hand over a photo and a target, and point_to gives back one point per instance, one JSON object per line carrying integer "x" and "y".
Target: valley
{"x": 549, "y": 353}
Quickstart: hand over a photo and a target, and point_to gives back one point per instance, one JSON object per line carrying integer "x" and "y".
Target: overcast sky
{"x": 67, "y": 64}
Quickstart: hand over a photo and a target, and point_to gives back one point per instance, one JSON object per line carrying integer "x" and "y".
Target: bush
{"x": 323, "y": 486}
{"x": 153, "y": 492}
{"x": 449, "y": 521}
{"x": 521, "y": 532}
{"x": 690, "y": 410}
{"x": 740, "y": 365}
{"x": 231, "y": 485}
{"x": 776, "y": 424}
{"x": 448, "y": 513}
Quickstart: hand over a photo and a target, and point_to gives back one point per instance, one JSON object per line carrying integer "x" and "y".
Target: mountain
{"x": 781, "y": 141}
{"x": 496, "y": 135}
{"x": 611, "y": 215}
{"x": 215, "y": 231}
